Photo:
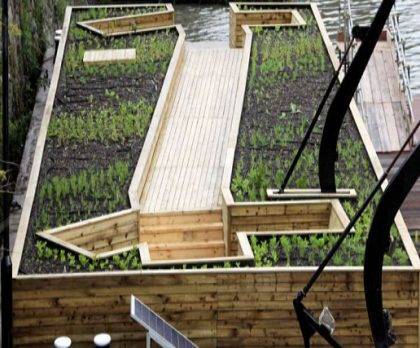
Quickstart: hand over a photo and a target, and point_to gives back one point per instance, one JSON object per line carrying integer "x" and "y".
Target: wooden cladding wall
{"x": 231, "y": 308}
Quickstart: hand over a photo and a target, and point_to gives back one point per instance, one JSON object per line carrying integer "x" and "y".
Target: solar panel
{"x": 160, "y": 330}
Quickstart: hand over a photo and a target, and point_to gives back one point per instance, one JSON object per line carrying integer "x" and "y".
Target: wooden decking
{"x": 188, "y": 164}
{"x": 416, "y": 115}
{"x": 411, "y": 207}
{"x": 384, "y": 104}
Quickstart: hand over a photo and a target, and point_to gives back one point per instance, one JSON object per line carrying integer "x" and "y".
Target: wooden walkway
{"x": 188, "y": 164}
{"x": 411, "y": 207}
{"x": 385, "y": 108}
{"x": 416, "y": 115}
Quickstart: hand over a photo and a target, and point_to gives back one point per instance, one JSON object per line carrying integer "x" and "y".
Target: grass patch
{"x": 128, "y": 260}
{"x": 105, "y": 125}
{"x": 65, "y": 200}
{"x": 296, "y": 251}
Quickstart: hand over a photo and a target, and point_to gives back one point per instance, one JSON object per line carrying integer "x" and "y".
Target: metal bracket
{"x": 360, "y": 32}
{"x": 309, "y": 326}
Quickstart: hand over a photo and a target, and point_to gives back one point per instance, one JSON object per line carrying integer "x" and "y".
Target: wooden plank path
{"x": 411, "y": 207}
{"x": 384, "y": 104}
{"x": 188, "y": 164}
{"x": 416, "y": 116}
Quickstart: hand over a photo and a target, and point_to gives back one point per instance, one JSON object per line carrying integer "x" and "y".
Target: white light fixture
{"x": 102, "y": 340}
{"x": 62, "y": 342}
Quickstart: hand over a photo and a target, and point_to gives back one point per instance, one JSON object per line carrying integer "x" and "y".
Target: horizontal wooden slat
{"x": 109, "y": 56}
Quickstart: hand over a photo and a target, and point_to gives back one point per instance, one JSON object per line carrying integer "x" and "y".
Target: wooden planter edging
{"x": 143, "y": 162}
{"x": 99, "y": 237}
{"x": 238, "y": 18}
{"x": 187, "y": 237}
{"x": 214, "y": 308}
{"x": 132, "y": 24}
{"x": 230, "y": 156}
{"x": 280, "y": 218}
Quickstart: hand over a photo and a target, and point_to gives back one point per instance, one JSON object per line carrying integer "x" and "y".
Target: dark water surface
{"x": 211, "y": 23}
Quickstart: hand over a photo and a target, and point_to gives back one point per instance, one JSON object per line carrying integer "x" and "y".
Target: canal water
{"x": 211, "y": 23}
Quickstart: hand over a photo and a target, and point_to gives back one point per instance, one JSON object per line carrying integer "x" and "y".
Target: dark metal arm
{"x": 309, "y": 326}
{"x": 378, "y": 243}
{"x": 302, "y": 294}
{"x": 340, "y": 104}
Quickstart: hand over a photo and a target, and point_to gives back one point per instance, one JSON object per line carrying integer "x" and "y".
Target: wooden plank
{"x": 233, "y": 135}
{"x": 181, "y": 217}
{"x": 416, "y": 116}
{"x": 382, "y": 79}
{"x": 195, "y": 250}
{"x": 215, "y": 110}
{"x": 109, "y": 56}
{"x": 402, "y": 122}
{"x": 373, "y": 127}
{"x": 129, "y": 24}
{"x": 391, "y": 124}
{"x": 192, "y": 92}
{"x": 94, "y": 225}
{"x": 384, "y": 102}
{"x": 374, "y": 79}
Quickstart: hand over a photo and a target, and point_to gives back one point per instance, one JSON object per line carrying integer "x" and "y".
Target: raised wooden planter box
{"x": 163, "y": 16}
{"x": 98, "y": 238}
{"x": 236, "y": 307}
{"x": 280, "y": 218}
{"x": 261, "y": 17}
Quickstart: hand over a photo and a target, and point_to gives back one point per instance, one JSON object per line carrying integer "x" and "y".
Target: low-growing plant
{"x": 78, "y": 262}
{"x": 86, "y": 193}
{"x": 153, "y": 53}
{"x": 105, "y": 125}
